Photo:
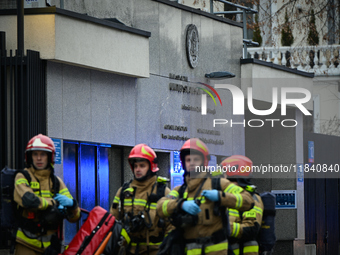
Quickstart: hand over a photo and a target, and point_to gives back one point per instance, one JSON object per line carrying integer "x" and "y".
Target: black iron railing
{"x": 22, "y": 102}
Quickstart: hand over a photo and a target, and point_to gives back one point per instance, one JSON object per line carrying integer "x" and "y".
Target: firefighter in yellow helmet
{"x": 135, "y": 203}
{"x": 198, "y": 207}
{"x": 43, "y": 201}
{"x": 244, "y": 225}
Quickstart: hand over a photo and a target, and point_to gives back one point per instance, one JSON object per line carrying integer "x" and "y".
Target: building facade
{"x": 110, "y": 86}
{"x": 128, "y": 72}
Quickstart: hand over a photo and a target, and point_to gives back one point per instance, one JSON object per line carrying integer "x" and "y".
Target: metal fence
{"x": 22, "y": 102}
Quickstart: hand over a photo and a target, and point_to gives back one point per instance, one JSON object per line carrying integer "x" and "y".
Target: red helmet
{"x": 40, "y": 143}
{"x": 145, "y": 152}
{"x": 237, "y": 165}
{"x": 195, "y": 144}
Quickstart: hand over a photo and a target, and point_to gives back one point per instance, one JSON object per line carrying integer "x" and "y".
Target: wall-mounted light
{"x": 219, "y": 75}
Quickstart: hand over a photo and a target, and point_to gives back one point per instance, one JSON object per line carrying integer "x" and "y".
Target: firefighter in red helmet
{"x": 43, "y": 200}
{"x": 244, "y": 225}
{"x": 198, "y": 207}
{"x": 135, "y": 203}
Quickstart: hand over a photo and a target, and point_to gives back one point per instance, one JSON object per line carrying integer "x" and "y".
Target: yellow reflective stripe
{"x": 44, "y": 203}
{"x": 249, "y": 249}
{"x": 128, "y": 201}
{"x": 165, "y": 208}
{"x": 46, "y": 193}
{"x": 232, "y": 188}
{"x": 65, "y": 192}
{"x": 239, "y": 201}
{"x": 135, "y": 244}
{"x": 69, "y": 195}
{"x": 35, "y": 185}
{"x": 140, "y": 202}
{"x": 257, "y": 210}
{"x": 234, "y": 213}
{"x": 233, "y": 210}
{"x": 128, "y": 190}
{"x": 211, "y": 248}
{"x": 33, "y": 242}
{"x": 185, "y": 195}
{"x": 37, "y": 193}
{"x": 173, "y": 193}
{"x": 236, "y": 251}
{"x": 125, "y": 235}
{"x": 116, "y": 200}
{"x": 236, "y": 229}
{"x": 229, "y": 188}
{"x": 21, "y": 181}
{"x": 203, "y": 200}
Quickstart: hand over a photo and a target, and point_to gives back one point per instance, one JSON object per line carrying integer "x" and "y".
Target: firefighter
{"x": 198, "y": 207}
{"x": 244, "y": 225}
{"x": 135, "y": 203}
{"x": 43, "y": 201}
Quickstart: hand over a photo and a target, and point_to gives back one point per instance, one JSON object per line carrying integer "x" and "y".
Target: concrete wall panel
{"x": 148, "y": 19}
{"x": 170, "y": 36}
{"x": 90, "y": 106}
{"x": 77, "y": 116}
{"x": 54, "y": 82}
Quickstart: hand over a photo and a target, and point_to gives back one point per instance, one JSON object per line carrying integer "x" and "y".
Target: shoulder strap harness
{"x": 219, "y": 210}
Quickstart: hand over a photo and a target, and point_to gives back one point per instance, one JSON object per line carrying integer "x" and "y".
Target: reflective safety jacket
{"x": 245, "y": 227}
{"x": 207, "y": 222}
{"x": 35, "y": 201}
{"x": 147, "y": 238}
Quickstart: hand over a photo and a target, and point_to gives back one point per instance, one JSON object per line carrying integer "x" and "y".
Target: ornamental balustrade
{"x": 320, "y": 60}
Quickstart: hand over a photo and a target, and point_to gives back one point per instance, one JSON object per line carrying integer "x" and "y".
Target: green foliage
{"x": 287, "y": 38}
{"x": 313, "y": 35}
{"x": 257, "y": 32}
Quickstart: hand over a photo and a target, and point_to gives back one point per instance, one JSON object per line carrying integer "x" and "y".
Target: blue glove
{"x": 212, "y": 195}
{"x": 63, "y": 200}
{"x": 191, "y": 207}
{"x": 61, "y": 207}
